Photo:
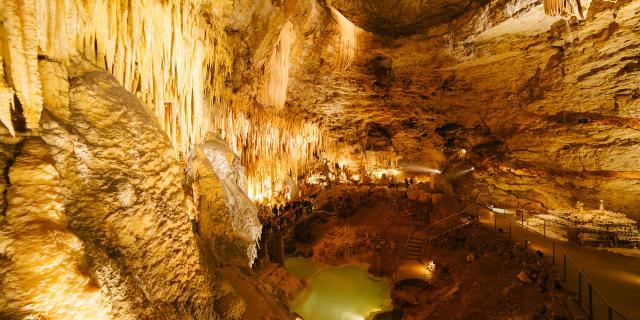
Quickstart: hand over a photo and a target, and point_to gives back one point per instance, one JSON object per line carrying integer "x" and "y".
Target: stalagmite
{"x": 43, "y": 274}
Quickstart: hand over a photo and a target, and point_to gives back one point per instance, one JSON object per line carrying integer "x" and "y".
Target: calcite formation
{"x": 93, "y": 207}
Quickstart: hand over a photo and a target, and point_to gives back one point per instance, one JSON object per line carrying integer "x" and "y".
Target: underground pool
{"x": 346, "y": 292}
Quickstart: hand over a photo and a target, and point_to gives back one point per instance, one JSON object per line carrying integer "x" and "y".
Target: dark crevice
{"x": 5, "y": 175}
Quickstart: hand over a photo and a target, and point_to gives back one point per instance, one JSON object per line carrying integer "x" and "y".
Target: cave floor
{"x": 486, "y": 288}
{"x": 615, "y": 275}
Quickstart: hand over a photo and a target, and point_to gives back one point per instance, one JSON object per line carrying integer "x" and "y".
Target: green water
{"x": 338, "y": 293}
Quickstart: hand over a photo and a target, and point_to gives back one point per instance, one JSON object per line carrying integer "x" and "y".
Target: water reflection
{"x": 346, "y": 292}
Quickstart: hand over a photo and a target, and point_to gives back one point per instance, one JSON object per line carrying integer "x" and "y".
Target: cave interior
{"x": 319, "y": 159}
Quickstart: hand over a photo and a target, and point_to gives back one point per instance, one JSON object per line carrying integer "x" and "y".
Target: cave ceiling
{"x": 402, "y": 17}
{"x": 535, "y": 100}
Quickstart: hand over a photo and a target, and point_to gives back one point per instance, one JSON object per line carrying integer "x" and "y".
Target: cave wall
{"x": 564, "y": 106}
{"x": 546, "y": 109}
{"x": 96, "y": 223}
{"x": 96, "y": 213}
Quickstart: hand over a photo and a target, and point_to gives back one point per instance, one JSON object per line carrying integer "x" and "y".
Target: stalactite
{"x": 273, "y": 145}
{"x": 175, "y": 58}
{"x": 347, "y": 42}
{"x": 20, "y": 55}
{"x": 274, "y": 92}
{"x": 166, "y": 52}
{"x": 53, "y": 37}
{"x": 576, "y": 8}
{"x": 6, "y": 101}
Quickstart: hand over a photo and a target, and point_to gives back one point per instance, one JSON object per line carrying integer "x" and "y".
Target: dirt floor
{"x": 476, "y": 269}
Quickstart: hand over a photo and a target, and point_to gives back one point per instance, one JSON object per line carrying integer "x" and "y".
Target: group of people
{"x": 409, "y": 181}
{"x": 278, "y": 217}
{"x": 391, "y": 181}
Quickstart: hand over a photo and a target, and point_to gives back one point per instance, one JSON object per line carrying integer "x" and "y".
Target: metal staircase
{"x": 415, "y": 246}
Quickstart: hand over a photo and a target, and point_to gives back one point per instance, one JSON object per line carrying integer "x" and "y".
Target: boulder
{"x": 230, "y": 306}
{"x": 413, "y": 194}
{"x": 523, "y": 277}
{"x": 424, "y": 197}
{"x": 406, "y": 297}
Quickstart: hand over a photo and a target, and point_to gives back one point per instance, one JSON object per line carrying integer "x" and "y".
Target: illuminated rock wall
{"x": 546, "y": 110}
{"x": 242, "y": 212}
{"x": 168, "y": 53}
{"x": 43, "y": 271}
{"x": 176, "y": 57}
{"x": 96, "y": 225}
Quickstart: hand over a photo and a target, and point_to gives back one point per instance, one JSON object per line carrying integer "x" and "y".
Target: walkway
{"x": 616, "y": 276}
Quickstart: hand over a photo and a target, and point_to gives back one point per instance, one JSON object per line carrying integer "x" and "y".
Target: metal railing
{"x": 590, "y": 299}
{"x": 431, "y": 235}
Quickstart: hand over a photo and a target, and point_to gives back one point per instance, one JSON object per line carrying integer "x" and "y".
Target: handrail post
{"x": 580, "y": 288}
{"x": 524, "y": 233}
{"x": 564, "y": 267}
{"x": 590, "y": 302}
{"x": 609, "y": 313}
